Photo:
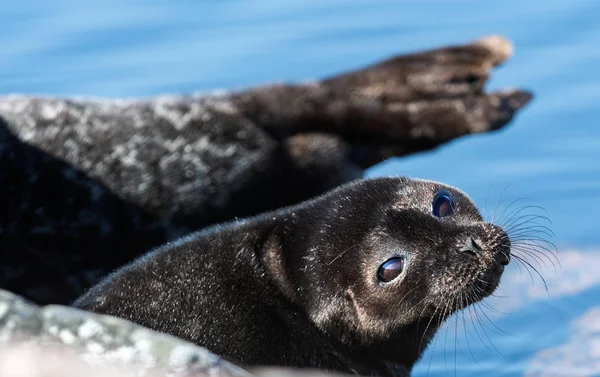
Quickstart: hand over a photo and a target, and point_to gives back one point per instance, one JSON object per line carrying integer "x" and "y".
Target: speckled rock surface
{"x": 100, "y": 341}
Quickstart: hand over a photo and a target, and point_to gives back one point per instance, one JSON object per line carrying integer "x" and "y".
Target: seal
{"x": 357, "y": 280}
{"x": 116, "y": 177}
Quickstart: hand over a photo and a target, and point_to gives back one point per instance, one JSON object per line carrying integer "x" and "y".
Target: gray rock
{"x": 94, "y": 341}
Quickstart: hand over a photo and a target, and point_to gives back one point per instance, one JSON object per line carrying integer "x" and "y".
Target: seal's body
{"x": 357, "y": 280}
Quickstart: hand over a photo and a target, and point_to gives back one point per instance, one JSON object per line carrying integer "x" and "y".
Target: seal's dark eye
{"x": 391, "y": 269}
{"x": 443, "y": 205}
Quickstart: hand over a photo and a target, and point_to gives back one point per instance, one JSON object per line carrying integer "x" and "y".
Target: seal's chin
{"x": 476, "y": 289}
{"x": 485, "y": 283}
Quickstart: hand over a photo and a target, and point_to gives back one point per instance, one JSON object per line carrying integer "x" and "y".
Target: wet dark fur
{"x": 298, "y": 287}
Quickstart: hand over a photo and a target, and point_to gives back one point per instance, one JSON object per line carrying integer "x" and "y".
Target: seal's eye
{"x": 391, "y": 269}
{"x": 443, "y": 205}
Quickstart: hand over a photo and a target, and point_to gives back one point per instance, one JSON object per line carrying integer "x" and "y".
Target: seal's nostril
{"x": 476, "y": 245}
{"x": 472, "y": 247}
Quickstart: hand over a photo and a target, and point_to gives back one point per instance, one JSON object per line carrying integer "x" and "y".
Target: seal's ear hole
{"x": 390, "y": 269}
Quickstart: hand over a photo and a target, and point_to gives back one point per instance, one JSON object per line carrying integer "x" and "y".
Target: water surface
{"x": 549, "y": 154}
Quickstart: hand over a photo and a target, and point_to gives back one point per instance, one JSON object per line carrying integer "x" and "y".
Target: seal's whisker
{"x": 527, "y": 264}
{"x": 539, "y": 242}
{"x": 500, "y": 201}
{"x": 495, "y": 329}
{"x": 445, "y": 340}
{"x": 456, "y": 343}
{"x": 466, "y": 328}
{"x": 528, "y": 234}
{"x": 476, "y": 312}
{"x": 401, "y": 301}
{"x": 533, "y": 228}
{"x": 516, "y": 213}
{"x": 499, "y": 296}
{"x": 447, "y": 309}
{"x": 519, "y": 263}
{"x": 483, "y": 327}
{"x": 535, "y": 244}
{"x": 531, "y": 225}
{"x": 424, "y": 309}
{"x": 536, "y": 255}
{"x": 427, "y": 328}
{"x": 520, "y": 226}
{"x": 535, "y": 247}
{"x": 476, "y": 321}
{"x": 525, "y": 229}
{"x": 478, "y": 309}
{"x": 434, "y": 342}
{"x": 477, "y": 305}
{"x": 491, "y": 308}
{"x": 505, "y": 214}
{"x": 485, "y": 207}
{"x": 519, "y": 267}
{"x": 342, "y": 253}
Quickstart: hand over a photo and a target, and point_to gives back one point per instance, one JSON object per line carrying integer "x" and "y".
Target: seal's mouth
{"x": 471, "y": 279}
{"x": 487, "y": 282}
{"x": 483, "y": 284}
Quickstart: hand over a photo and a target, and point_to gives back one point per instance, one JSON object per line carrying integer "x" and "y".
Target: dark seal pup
{"x": 357, "y": 280}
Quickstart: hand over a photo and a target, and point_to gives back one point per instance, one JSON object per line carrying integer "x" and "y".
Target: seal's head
{"x": 391, "y": 258}
{"x": 434, "y": 241}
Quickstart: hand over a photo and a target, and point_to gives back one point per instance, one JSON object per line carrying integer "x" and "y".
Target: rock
{"x": 87, "y": 341}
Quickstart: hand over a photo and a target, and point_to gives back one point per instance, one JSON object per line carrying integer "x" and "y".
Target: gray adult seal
{"x": 357, "y": 280}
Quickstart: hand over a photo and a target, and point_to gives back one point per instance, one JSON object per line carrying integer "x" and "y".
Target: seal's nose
{"x": 472, "y": 247}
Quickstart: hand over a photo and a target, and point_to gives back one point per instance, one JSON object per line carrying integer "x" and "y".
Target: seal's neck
{"x": 396, "y": 355}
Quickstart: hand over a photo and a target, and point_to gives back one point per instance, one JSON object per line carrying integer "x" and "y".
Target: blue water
{"x": 549, "y": 154}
